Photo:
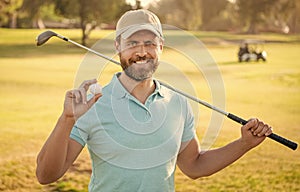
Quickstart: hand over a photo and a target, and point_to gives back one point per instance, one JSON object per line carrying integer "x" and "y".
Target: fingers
{"x": 80, "y": 95}
{"x": 86, "y": 84}
{"x": 259, "y": 128}
{"x": 82, "y": 92}
{"x": 94, "y": 99}
{"x": 269, "y": 132}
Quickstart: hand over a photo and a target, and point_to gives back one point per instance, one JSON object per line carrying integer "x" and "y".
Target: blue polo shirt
{"x": 134, "y": 146}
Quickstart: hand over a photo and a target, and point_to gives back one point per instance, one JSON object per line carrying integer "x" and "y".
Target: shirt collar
{"x": 159, "y": 89}
{"x": 120, "y": 92}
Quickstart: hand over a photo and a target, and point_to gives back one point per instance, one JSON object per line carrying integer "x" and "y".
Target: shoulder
{"x": 169, "y": 91}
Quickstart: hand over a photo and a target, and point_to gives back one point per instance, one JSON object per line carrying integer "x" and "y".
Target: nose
{"x": 141, "y": 51}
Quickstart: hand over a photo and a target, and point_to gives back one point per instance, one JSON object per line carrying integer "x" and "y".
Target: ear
{"x": 161, "y": 46}
{"x": 117, "y": 46}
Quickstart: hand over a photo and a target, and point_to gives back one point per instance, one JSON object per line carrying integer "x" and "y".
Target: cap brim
{"x": 130, "y": 31}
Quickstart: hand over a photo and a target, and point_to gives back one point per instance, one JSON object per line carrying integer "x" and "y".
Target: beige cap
{"x": 137, "y": 20}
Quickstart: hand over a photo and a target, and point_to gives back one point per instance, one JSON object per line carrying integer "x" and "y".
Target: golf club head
{"x": 44, "y": 37}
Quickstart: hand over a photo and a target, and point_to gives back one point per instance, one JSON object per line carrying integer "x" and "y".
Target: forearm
{"x": 195, "y": 163}
{"x": 212, "y": 161}
{"x": 59, "y": 151}
{"x": 52, "y": 157}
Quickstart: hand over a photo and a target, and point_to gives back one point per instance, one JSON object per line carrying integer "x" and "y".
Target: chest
{"x": 132, "y": 136}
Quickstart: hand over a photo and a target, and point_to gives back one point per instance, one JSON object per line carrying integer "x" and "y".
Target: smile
{"x": 141, "y": 62}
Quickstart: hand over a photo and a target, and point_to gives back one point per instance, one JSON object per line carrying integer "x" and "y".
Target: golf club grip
{"x": 284, "y": 141}
{"x": 237, "y": 119}
{"x": 273, "y": 136}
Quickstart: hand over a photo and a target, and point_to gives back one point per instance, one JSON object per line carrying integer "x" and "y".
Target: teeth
{"x": 141, "y": 62}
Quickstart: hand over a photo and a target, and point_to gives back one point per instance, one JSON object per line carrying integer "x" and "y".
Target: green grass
{"x": 34, "y": 81}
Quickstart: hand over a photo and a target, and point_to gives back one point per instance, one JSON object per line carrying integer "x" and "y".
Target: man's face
{"x": 139, "y": 54}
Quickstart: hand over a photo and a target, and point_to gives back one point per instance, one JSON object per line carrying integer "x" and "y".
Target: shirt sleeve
{"x": 189, "y": 124}
{"x": 78, "y": 135}
{"x": 81, "y": 129}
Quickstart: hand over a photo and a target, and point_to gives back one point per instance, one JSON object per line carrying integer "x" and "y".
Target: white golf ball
{"x": 95, "y": 88}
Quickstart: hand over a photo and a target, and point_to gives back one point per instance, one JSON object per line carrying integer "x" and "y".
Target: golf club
{"x": 45, "y": 36}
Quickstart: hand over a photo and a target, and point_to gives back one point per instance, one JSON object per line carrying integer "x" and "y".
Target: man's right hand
{"x": 76, "y": 103}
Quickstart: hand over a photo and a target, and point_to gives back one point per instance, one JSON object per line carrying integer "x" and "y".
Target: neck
{"x": 141, "y": 90}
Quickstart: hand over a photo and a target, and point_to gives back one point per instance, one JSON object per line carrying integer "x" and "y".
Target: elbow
{"x": 195, "y": 177}
{"x": 198, "y": 176}
{"x": 46, "y": 173}
{"x": 43, "y": 179}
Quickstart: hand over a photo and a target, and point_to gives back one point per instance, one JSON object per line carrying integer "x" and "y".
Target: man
{"x": 136, "y": 130}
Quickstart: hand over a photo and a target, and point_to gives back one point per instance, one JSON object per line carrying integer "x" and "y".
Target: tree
{"x": 90, "y": 13}
{"x": 182, "y": 14}
{"x": 285, "y": 15}
{"x": 215, "y": 15}
{"x": 294, "y": 20}
{"x": 254, "y": 12}
{"x": 9, "y": 10}
{"x": 271, "y": 15}
{"x": 32, "y": 9}
{"x": 138, "y": 4}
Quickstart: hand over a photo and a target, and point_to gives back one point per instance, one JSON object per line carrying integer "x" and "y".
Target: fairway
{"x": 34, "y": 81}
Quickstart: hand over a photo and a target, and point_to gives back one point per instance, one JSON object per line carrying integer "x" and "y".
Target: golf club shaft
{"x": 233, "y": 117}
{"x": 88, "y": 49}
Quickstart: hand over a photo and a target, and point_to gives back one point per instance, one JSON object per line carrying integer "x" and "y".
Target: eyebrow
{"x": 136, "y": 41}
{"x": 131, "y": 41}
{"x": 152, "y": 39}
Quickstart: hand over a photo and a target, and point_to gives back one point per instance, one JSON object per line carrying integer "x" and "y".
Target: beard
{"x": 142, "y": 72}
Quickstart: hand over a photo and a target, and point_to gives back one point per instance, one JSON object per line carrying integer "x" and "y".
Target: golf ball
{"x": 95, "y": 88}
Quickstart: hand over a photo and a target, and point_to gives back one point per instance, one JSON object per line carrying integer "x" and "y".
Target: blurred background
{"x": 34, "y": 81}
{"x": 240, "y": 16}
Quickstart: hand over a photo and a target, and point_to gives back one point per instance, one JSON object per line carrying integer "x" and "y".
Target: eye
{"x": 150, "y": 44}
{"x": 131, "y": 44}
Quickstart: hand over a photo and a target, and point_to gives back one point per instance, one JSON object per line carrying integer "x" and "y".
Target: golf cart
{"x": 252, "y": 50}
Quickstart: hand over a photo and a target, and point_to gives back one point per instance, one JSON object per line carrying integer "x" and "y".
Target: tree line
{"x": 83, "y": 14}
{"x": 248, "y": 16}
